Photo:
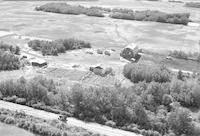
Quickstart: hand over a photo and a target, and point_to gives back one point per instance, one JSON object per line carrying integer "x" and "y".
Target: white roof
{"x": 37, "y": 60}
{"x": 131, "y": 46}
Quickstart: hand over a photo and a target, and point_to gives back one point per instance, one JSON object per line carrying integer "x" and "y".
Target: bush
{"x": 21, "y": 101}
{"x": 11, "y": 99}
{"x": 110, "y": 123}
{"x": 9, "y": 120}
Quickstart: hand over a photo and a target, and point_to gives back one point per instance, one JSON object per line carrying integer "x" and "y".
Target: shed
{"x": 38, "y": 62}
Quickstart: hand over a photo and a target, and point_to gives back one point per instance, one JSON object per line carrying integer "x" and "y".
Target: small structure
{"x": 98, "y": 70}
{"x": 131, "y": 53}
{"x": 169, "y": 58}
{"x": 38, "y": 62}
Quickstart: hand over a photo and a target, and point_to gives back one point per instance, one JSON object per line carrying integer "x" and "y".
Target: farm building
{"x": 38, "y": 62}
{"x": 131, "y": 53}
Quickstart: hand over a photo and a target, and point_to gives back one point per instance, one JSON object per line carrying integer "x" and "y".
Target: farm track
{"x": 94, "y": 127}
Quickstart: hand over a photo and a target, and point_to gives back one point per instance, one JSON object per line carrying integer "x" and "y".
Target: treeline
{"x": 8, "y": 57}
{"x": 57, "y": 46}
{"x": 65, "y": 8}
{"x": 37, "y": 92}
{"x": 193, "y": 4}
{"x": 153, "y": 15}
{"x": 40, "y": 126}
{"x": 183, "y": 55}
{"x": 128, "y": 14}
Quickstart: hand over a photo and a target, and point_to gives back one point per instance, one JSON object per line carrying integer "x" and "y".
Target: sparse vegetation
{"x": 57, "y": 46}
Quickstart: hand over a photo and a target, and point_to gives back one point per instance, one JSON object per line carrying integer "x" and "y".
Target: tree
{"x": 180, "y": 75}
{"x": 180, "y": 122}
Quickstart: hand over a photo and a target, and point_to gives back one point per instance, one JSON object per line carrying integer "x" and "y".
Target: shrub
{"x": 9, "y": 120}
{"x": 21, "y": 101}
{"x": 110, "y": 123}
{"x": 11, "y": 99}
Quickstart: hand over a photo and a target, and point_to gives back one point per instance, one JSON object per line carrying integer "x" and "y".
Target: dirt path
{"x": 94, "y": 127}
